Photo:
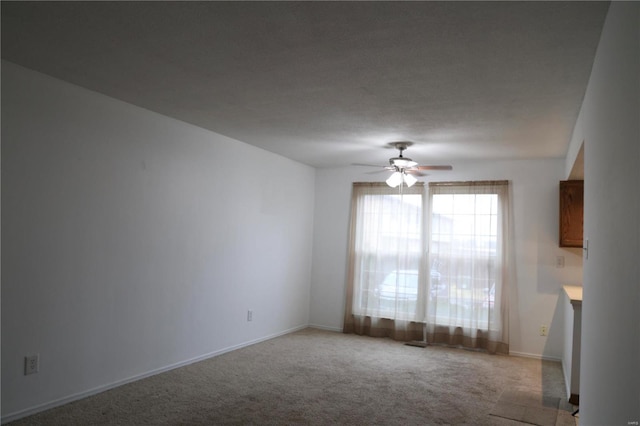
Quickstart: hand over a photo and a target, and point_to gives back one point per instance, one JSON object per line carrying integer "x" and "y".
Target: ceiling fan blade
{"x": 433, "y": 167}
{"x": 368, "y": 165}
{"x": 415, "y": 172}
{"x": 377, "y": 171}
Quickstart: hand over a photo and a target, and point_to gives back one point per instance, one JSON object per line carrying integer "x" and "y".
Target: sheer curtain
{"x": 386, "y": 275}
{"x": 469, "y": 262}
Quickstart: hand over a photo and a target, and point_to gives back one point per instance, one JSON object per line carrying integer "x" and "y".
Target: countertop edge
{"x": 574, "y": 293}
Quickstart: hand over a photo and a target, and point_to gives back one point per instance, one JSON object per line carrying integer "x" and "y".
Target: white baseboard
{"x": 535, "y": 356}
{"x": 99, "y": 389}
{"x": 567, "y": 378}
{"x": 324, "y": 327}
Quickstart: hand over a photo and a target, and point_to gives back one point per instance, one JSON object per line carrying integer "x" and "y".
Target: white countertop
{"x": 574, "y": 292}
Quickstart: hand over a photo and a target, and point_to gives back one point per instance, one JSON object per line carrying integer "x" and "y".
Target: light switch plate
{"x": 585, "y": 248}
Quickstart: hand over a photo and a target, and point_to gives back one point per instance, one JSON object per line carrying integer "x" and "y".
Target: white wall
{"x": 536, "y": 296}
{"x": 133, "y": 242}
{"x": 609, "y": 125}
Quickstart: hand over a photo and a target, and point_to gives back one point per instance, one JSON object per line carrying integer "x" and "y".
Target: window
{"x": 467, "y": 247}
{"x": 387, "y": 251}
{"x": 452, "y": 280}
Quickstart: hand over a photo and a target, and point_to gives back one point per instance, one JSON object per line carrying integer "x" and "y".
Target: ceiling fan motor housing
{"x": 401, "y": 162}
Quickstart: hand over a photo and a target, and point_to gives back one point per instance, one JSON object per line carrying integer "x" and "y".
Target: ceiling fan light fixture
{"x": 395, "y": 179}
{"x": 409, "y": 180}
{"x": 398, "y": 178}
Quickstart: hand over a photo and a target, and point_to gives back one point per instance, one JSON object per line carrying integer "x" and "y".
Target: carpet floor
{"x": 315, "y": 377}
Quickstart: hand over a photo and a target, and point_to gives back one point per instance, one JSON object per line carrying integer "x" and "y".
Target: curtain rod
{"x": 471, "y": 183}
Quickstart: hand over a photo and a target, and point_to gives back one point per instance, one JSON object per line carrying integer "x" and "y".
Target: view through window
{"x": 389, "y": 252}
{"x": 463, "y": 242}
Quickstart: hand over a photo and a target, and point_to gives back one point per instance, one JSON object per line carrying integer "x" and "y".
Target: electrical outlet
{"x": 31, "y": 364}
{"x": 249, "y": 315}
{"x": 559, "y": 261}
{"x": 543, "y": 330}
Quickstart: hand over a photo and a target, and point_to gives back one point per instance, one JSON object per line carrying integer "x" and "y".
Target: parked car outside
{"x": 402, "y": 285}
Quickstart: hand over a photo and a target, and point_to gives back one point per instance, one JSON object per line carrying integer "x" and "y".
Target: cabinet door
{"x": 571, "y": 213}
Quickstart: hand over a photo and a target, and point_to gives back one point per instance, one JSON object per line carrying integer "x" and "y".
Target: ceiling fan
{"x": 404, "y": 169}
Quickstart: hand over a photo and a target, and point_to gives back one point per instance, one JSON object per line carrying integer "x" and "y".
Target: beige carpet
{"x": 317, "y": 377}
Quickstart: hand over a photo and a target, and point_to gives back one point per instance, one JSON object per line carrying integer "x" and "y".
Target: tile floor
{"x": 532, "y": 408}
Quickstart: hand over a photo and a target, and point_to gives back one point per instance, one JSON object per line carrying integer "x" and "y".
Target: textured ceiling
{"x": 331, "y": 83}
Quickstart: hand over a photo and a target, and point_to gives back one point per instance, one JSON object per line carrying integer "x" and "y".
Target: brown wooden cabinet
{"x": 571, "y": 212}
